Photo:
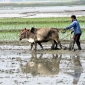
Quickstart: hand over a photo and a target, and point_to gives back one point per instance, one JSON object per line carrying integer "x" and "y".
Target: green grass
{"x": 12, "y": 36}
{"x": 9, "y": 36}
{"x": 40, "y": 25}
{"x": 37, "y": 25}
{"x": 20, "y": 23}
{"x": 30, "y": 20}
{"x": 9, "y": 27}
{"x": 69, "y": 36}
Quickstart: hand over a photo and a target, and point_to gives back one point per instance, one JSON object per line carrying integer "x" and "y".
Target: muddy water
{"x": 20, "y": 66}
{"x": 37, "y": 12}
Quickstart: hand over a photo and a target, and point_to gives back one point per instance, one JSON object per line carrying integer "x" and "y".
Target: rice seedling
{"x": 10, "y": 27}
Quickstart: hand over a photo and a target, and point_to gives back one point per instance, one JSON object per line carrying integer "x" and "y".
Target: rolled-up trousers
{"x": 76, "y": 39}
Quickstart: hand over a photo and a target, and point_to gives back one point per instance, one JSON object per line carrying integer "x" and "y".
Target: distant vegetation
{"x": 41, "y": 4}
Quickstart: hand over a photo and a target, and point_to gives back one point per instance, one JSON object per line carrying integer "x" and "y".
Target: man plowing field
{"x": 77, "y": 33}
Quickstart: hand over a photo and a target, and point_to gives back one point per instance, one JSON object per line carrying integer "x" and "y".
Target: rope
{"x": 62, "y": 31}
{"x": 65, "y": 36}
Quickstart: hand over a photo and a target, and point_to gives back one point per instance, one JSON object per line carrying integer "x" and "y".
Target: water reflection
{"x": 38, "y": 65}
{"x": 53, "y": 64}
{"x": 77, "y": 69}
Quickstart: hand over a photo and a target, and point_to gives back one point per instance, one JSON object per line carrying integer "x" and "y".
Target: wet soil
{"x": 21, "y": 66}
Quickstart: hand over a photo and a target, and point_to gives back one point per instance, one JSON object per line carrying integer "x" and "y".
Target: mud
{"x": 20, "y": 66}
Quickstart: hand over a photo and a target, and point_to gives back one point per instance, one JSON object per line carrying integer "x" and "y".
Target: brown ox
{"x": 35, "y": 36}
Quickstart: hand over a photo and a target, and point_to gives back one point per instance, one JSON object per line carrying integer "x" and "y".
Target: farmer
{"x": 77, "y": 32}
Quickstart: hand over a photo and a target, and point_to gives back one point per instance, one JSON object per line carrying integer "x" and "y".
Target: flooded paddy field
{"x": 21, "y": 66}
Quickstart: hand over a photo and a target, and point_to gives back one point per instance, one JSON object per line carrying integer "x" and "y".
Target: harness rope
{"x": 65, "y": 36}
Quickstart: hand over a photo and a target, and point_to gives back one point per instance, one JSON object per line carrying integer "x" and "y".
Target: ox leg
{"x": 59, "y": 43}
{"x": 35, "y": 45}
{"x": 40, "y": 44}
{"x": 53, "y": 44}
{"x": 32, "y": 46}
